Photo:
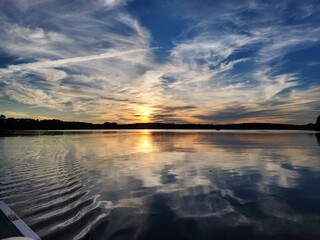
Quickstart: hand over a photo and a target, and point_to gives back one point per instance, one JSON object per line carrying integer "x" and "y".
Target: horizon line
{"x": 169, "y": 123}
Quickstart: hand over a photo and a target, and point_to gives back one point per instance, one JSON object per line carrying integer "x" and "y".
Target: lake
{"x": 164, "y": 184}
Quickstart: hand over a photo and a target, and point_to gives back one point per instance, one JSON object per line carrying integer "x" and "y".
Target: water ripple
{"x": 135, "y": 185}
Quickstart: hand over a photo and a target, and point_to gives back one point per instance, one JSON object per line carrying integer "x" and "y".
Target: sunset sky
{"x": 199, "y": 61}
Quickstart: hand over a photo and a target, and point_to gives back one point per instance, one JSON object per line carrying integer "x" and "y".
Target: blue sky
{"x": 206, "y": 61}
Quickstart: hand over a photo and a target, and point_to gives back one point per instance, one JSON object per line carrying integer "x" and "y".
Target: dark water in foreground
{"x": 164, "y": 185}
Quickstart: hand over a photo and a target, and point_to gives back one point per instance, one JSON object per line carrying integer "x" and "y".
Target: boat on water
{"x": 12, "y": 227}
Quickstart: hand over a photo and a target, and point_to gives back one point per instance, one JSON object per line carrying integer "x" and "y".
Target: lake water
{"x": 164, "y": 184}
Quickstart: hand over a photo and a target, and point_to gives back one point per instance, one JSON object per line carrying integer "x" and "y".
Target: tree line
{"x": 54, "y": 124}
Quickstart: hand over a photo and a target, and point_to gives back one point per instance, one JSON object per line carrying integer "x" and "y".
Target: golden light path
{"x": 145, "y": 141}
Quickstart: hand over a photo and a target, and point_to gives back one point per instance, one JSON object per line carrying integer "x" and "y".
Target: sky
{"x": 181, "y": 61}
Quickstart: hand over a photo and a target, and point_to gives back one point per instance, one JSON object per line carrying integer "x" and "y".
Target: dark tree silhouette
{"x": 54, "y": 124}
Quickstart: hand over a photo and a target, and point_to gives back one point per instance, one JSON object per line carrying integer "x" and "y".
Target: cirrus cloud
{"x": 98, "y": 59}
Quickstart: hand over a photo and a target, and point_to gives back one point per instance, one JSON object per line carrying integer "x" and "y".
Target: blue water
{"x": 164, "y": 184}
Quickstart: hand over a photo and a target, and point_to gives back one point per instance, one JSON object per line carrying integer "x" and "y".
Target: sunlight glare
{"x": 146, "y": 112}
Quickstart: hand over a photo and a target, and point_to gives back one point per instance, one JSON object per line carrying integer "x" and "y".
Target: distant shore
{"x": 34, "y": 124}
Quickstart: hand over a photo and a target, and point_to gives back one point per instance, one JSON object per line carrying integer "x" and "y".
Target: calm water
{"x": 164, "y": 185}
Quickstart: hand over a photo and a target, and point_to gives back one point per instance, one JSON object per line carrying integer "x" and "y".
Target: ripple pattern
{"x": 44, "y": 182}
{"x": 163, "y": 185}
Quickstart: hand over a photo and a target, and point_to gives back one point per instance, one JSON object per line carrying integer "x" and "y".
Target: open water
{"x": 164, "y": 184}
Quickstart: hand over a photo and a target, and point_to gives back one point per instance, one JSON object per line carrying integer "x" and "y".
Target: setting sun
{"x": 146, "y": 112}
{"x": 146, "y": 115}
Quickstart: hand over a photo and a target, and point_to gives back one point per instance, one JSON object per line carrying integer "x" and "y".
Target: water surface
{"x": 164, "y": 184}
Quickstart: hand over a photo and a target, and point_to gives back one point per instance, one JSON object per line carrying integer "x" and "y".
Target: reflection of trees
{"x": 318, "y": 138}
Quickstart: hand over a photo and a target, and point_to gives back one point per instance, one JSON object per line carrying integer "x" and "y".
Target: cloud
{"x": 97, "y": 58}
{"x": 16, "y": 114}
{"x": 245, "y": 113}
{"x": 32, "y": 43}
{"x": 114, "y": 3}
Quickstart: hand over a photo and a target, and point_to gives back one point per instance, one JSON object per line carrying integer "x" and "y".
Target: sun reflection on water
{"x": 145, "y": 142}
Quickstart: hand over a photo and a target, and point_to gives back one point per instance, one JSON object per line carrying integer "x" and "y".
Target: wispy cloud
{"x": 96, "y": 58}
{"x": 113, "y": 3}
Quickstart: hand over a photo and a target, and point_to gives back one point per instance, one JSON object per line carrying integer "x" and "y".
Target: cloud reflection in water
{"x": 184, "y": 184}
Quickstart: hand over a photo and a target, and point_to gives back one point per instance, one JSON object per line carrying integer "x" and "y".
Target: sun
{"x": 146, "y": 112}
{"x": 146, "y": 115}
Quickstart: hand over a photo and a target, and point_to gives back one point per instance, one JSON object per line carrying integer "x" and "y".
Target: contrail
{"x": 56, "y": 63}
